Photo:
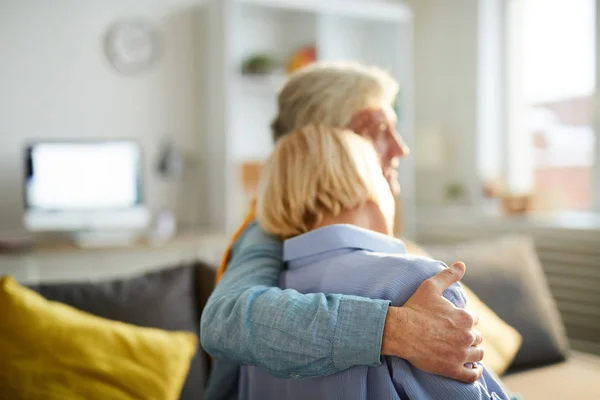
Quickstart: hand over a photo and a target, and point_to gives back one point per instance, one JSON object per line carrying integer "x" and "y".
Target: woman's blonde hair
{"x": 330, "y": 94}
{"x": 314, "y": 172}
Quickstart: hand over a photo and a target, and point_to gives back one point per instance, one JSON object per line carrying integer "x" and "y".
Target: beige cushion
{"x": 576, "y": 378}
{"x": 501, "y": 341}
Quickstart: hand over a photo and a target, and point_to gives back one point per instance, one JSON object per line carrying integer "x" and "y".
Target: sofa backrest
{"x": 171, "y": 298}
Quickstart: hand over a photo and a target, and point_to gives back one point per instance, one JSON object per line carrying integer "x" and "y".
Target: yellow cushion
{"x": 500, "y": 340}
{"x": 52, "y": 351}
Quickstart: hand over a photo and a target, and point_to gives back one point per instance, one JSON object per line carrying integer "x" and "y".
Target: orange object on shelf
{"x": 301, "y": 57}
{"x": 516, "y": 204}
{"x": 250, "y": 175}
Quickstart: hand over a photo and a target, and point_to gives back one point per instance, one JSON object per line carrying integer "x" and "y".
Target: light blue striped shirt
{"x": 350, "y": 260}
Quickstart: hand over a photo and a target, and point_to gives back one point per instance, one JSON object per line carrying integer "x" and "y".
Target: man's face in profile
{"x": 379, "y": 125}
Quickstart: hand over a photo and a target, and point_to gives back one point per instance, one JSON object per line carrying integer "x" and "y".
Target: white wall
{"x": 446, "y": 40}
{"x": 55, "y": 83}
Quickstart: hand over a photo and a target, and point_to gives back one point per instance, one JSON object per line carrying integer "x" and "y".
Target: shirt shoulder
{"x": 323, "y": 241}
{"x": 378, "y": 275}
{"x": 418, "y": 269}
{"x": 386, "y": 260}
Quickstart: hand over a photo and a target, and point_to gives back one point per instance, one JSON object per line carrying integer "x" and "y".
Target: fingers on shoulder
{"x": 475, "y": 354}
{"x": 461, "y": 371}
{"x": 468, "y": 375}
{"x": 465, "y": 318}
{"x": 464, "y": 321}
{"x": 445, "y": 278}
{"x": 465, "y": 338}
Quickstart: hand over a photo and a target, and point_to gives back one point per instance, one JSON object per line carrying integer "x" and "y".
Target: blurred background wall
{"x": 56, "y": 84}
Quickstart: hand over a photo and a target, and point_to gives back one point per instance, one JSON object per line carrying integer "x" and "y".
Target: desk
{"x": 63, "y": 261}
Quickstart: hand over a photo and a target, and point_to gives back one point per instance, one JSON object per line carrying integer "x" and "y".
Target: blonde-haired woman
{"x": 249, "y": 319}
{"x": 324, "y": 192}
{"x": 318, "y": 173}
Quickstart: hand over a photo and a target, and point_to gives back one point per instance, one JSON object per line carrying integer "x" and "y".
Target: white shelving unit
{"x": 240, "y": 107}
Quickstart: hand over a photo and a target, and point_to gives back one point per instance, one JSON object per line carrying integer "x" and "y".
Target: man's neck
{"x": 368, "y": 217}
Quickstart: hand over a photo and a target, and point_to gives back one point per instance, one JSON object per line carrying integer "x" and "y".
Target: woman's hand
{"x": 434, "y": 335}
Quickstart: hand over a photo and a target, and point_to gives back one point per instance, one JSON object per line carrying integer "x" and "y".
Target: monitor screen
{"x": 63, "y": 176}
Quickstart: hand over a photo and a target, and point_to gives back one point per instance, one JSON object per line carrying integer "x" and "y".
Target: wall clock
{"x": 133, "y": 45}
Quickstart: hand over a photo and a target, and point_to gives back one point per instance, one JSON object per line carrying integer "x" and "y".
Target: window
{"x": 551, "y": 74}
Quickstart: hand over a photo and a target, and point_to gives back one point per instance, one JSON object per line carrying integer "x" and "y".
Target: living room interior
{"x": 167, "y": 107}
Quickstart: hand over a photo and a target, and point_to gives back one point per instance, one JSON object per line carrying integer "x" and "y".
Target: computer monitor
{"x": 84, "y": 186}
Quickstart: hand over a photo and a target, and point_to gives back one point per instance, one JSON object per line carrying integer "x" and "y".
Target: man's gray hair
{"x": 330, "y": 94}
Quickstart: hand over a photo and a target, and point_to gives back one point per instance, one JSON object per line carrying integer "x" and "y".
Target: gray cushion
{"x": 507, "y": 275}
{"x": 166, "y": 299}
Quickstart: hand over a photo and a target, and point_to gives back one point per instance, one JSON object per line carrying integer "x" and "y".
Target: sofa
{"x": 169, "y": 298}
{"x": 172, "y": 298}
{"x": 574, "y": 378}
{"x": 506, "y": 273}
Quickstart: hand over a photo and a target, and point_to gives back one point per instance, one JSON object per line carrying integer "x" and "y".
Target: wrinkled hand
{"x": 434, "y": 335}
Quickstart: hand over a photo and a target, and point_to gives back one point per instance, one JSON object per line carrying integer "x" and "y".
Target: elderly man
{"x": 250, "y": 320}
{"x": 323, "y": 191}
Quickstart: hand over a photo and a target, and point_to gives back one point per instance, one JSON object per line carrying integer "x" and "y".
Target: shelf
{"x": 366, "y": 9}
{"x": 373, "y": 32}
{"x": 265, "y": 84}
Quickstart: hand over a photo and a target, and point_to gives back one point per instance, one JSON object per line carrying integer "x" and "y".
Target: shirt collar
{"x": 339, "y": 236}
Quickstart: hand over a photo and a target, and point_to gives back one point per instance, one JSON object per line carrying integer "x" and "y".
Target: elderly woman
{"x": 324, "y": 192}
{"x": 249, "y": 319}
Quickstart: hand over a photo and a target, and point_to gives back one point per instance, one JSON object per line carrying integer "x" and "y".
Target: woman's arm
{"x": 249, "y": 320}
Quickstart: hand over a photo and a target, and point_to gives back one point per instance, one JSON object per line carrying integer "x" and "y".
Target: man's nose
{"x": 398, "y": 147}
